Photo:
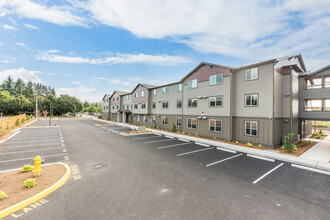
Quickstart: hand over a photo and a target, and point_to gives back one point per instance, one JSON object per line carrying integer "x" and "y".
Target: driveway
{"x": 320, "y": 151}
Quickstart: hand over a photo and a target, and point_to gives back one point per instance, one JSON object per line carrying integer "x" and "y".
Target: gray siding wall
{"x": 204, "y": 89}
{"x": 127, "y": 101}
{"x": 139, "y": 110}
{"x": 262, "y": 86}
{"x": 265, "y": 131}
{"x": 172, "y": 96}
{"x": 281, "y": 95}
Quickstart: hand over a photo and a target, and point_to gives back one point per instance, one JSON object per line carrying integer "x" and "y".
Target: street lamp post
{"x": 50, "y": 114}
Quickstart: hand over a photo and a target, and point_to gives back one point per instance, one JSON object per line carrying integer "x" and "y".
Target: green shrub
{"x": 249, "y": 144}
{"x": 288, "y": 146}
{"x": 23, "y": 120}
{"x": 155, "y": 126}
{"x": 300, "y": 141}
{"x": 30, "y": 183}
{"x": 27, "y": 168}
{"x": 196, "y": 134}
{"x": 3, "y": 195}
{"x": 173, "y": 127}
{"x": 309, "y": 142}
{"x": 17, "y": 123}
{"x": 260, "y": 145}
{"x": 215, "y": 138}
{"x": 314, "y": 133}
{"x": 304, "y": 144}
{"x": 189, "y": 134}
{"x": 318, "y": 137}
{"x": 320, "y": 132}
{"x": 236, "y": 142}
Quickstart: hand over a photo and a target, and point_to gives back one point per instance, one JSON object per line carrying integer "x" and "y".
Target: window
{"x": 178, "y": 103}
{"x": 154, "y": 105}
{"x": 313, "y": 105}
{"x": 216, "y": 79}
{"x": 153, "y": 118}
{"x": 192, "y": 84}
{"x": 117, "y": 106}
{"x": 117, "y": 98}
{"x": 164, "y": 120}
{"x": 143, "y": 106}
{"x": 127, "y": 97}
{"x": 327, "y": 105}
{"x": 215, "y": 125}
{"x": 251, "y": 128}
{"x": 143, "y": 93}
{"x": 313, "y": 83}
{"x": 135, "y": 106}
{"x": 165, "y": 104}
{"x": 327, "y": 82}
{"x": 137, "y": 117}
{"x": 126, "y": 106}
{"x": 179, "y": 87}
{"x": 251, "y": 100}
{"x": 192, "y": 123}
{"x": 192, "y": 103}
{"x": 165, "y": 90}
{"x": 113, "y": 99}
{"x": 113, "y": 107}
{"x": 216, "y": 101}
{"x": 145, "y": 119}
{"x": 178, "y": 122}
{"x": 154, "y": 92}
{"x": 252, "y": 74}
{"x": 136, "y": 94}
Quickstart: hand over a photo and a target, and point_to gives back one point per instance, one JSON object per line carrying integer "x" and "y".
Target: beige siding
{"x": 171, "y": 97}
{"x": 204, "y": 89}
{"x": 262, "y": 86}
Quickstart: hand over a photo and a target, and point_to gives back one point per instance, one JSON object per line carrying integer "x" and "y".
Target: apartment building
{"x": 105, "y": 104}
{"x": 257, "y": 103}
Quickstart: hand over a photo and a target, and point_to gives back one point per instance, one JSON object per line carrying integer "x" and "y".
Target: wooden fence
{"x": 10, "y": 122}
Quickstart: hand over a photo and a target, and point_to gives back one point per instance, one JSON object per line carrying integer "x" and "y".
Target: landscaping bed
{"x": 106, "y": 125}
{"x": 135, "y": 132}
{"x": 12, "y": 183}
{"x": 6, "y": 133}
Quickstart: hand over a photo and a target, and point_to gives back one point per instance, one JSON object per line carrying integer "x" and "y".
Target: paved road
{"x": 154, "y": 177}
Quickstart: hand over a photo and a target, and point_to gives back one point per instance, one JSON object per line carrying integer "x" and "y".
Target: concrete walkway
{"x": 320, "y": 152}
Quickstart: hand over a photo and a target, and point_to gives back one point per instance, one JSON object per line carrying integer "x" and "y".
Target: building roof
{"x": 319, "y": 70}
{"x": 106, "y": 95}
{"x": 120, "y": 93}
{"x": 148, "y": 86}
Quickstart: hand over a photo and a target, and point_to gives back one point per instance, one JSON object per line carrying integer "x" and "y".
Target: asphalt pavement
{"x": 154, "y": 177}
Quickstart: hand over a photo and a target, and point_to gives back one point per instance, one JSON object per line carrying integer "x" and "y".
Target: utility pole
{"x": 36, "y": 94}
{"x": 50, "y": 114}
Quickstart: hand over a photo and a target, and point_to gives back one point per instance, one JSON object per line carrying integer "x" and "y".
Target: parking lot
{"x": 27, "y": 143}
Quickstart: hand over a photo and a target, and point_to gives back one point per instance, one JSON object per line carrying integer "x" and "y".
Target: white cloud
{"x": 1, "y": 44}
{"x": 61, "y": 15}
{"x": 82, "y": 92}
{"x": 21, "y": 44}
{"x": 7, "y": 59}
{"x": 30, "y": 26}
{"x": 99, "y": 78}
{"x": 118, "y": 58}
{"x": 51, "y": 74}
{"x": 8, "y": 27}
{"x": 22, "y": 73}
{"x": 119, "y": 82}
{"x": 75, "y": 82}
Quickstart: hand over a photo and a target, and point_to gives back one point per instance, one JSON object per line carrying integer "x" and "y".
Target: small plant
{"x": 17, "y": 123}
{"x": 30, "y": 183}
{"x": 196, "y": 134}
{"x": 318, "y": 137}
{"x": 249, "y": 144}
{"x": 304, "y": 144}
{"x": 309, "y": 142}
{"x": 260, "y": 145}
{"x": 300, "y": 141}
{"x": 173, "y": 128}
{"x": 23, "y": 120}
{"x": 27, "y": 168}
{"x": 189, "y": 134}
{"x": 314, "y": 133}
{"x": 236, "y": 142}
{"x": 215, "y": 138}
{"x": 3, "y": 195}
{"x": 320, "y": 132}
{"x": 243, "y": 142}
{"x": 183, "y": 132}
{"x": 288, "y": 146}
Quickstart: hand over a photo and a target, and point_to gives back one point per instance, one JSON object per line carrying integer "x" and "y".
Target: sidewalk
{"x": 312, "y": 163}
{"x": 321, "y": 151}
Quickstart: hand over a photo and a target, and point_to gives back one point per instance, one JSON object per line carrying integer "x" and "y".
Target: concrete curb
{"x": 262, "y": 153}
{"x": 38, "y": 196}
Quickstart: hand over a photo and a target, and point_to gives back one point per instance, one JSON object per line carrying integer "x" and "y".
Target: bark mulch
{"x": 12, "y": 183}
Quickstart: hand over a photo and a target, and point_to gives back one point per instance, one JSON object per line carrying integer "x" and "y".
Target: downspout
{"x": 230, "y": 107}
{"x": 291, "y": 98}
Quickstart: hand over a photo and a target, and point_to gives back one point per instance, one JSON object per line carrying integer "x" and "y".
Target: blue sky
{"x": 88, "y": 48}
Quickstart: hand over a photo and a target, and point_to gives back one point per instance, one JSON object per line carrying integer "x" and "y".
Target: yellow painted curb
{"x": 38, "y": 196}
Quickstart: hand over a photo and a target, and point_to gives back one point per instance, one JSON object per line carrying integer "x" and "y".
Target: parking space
{"x": 27, "y": 143}
{"x": 44, "y": 122}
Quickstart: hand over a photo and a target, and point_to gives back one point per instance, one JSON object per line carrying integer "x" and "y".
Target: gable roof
{"x": 205, "y": 63}
{"x": 106, "y": 95}
{"x": 120, "y": 93}
{"x": 319, "y": 70}
{"x": 148, "y": 86}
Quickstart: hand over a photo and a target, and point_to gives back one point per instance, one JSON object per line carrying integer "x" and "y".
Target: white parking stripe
{"x": 310, "y": 169}
{"x": 230, "y": 151}
{"x": 180, "y": 139}
{"x": 35, "y": 139}
{"x": 144, "y": 138}
{"x": 30, "y": 158}
{"x": 158, "y": 134}
{"x": 205, "y": 145}
{"x": 173, "y": 145}
{"x": 17, "y": 142}
{"x": 260, "y": 178}
{"x": 169, "y": 137}
{"x": 148, "y": 142}
{"x": 30, "y": 145}
{"x": 220, "y": 161}
{"x": 195, "y": 151}
{"x": 17, "y": 152}
{"x": 261, "y": 158}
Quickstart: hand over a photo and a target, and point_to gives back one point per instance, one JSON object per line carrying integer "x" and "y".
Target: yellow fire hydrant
{"x": 37, "y": 163}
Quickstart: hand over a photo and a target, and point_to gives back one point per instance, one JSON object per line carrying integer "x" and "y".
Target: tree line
{"x": 18, "y": 97}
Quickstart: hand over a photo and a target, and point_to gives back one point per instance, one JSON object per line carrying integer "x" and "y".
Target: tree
{"x": 8, "y": 85}
{"x": 19, "y": 87}
{"x": 86, "y": 104}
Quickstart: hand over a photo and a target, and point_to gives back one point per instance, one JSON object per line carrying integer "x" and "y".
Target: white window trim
{"x": 163, "y": 117}
{"x": 245, "y": 74}
{"x": 191, "y": 123}
{"x": 251, "y": 128}
{"x": 176, "y": 121}
{"x": 191, "y": 84}
{"x": 167, "y": 104}
{"x": 216, "y": 101}
{"x": 251, "y": 94}
{"x": 215, "y": 125}
{"x": 191, "y": 103}
{"x": 215, "y": 75}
